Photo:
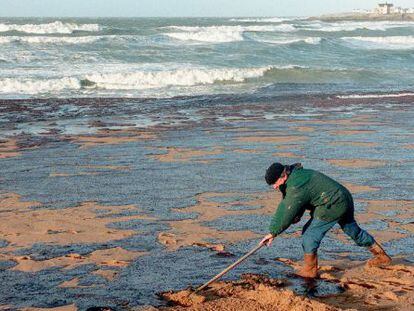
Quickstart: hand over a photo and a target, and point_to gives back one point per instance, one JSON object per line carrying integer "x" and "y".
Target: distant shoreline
{"x": 363, "y": 17}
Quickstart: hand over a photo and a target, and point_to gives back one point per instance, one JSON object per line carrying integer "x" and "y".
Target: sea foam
{"x": 282, "y": 41}
{"x": 352, "y": 26}
{"x": 388, "y": 43}
{"x": 48, "y": 40}
{"x": 220, "y": 34}
{"x": 54, "y": 27}
{"x": 178, "y": 77}
{"x": 35, "y": 86}
{"x": 132, "y": 80}
{"x": 260, "y": 20}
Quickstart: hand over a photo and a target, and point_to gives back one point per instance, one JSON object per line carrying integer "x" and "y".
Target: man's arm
{"x": 291, "y": 207}
{"x": 289, "y": 211}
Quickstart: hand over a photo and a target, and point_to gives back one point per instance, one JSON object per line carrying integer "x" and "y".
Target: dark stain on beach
{"x": 48, "y": 165}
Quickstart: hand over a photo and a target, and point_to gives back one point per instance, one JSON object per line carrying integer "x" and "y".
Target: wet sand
{"x": 364, "y": 289}
{"x": 356, "y": 163}
{"x": 129, "y": 211}
{"x": 24, "y": 225}
{"x": 185, "y": 154}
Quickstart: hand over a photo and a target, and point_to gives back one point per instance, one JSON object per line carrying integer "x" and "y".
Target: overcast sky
{"x": 139, "y": 8}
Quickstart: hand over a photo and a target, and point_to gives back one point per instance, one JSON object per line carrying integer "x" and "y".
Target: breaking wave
{"x": 178, "y": 77}
{"x": 133, "y": 80}
{"x": 49, "y": 40}
{"x": 281, "y": 41}
{"x": 260, "y": 20}
{"x": 220, "y": 34}
{"x": 35, "y": 86}
{"x": 391, "y": 43}
{"x": 55, "y": 27}
{"x": 351, "y": 26}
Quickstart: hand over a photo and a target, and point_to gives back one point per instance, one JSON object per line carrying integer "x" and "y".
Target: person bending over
{"x": 329, "y": 203}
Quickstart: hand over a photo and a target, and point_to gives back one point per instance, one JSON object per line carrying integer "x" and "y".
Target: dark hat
{"x": 273, "y": 173}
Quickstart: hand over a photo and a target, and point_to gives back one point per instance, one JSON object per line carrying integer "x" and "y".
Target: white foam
{"x": 219, "y": 34}
{"x": 282, "y": 41}
{"x": 55, "y": 27}
{"x": 265, "y": 19}
{"x": 33, "y": 86}
{"x": 208, "y": 36}
{"x": 259, "y": 20}
{"x": 390, "y": 43}
{"x": 178, "y": 77}
{"x": 375, "y": 95}
{"x": 351, "y": 26}
{"x": 49, "y": 40}
{"x": 133, "y": 80}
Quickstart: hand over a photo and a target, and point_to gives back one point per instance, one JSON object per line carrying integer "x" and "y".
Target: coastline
{"x": 363, "y": 17}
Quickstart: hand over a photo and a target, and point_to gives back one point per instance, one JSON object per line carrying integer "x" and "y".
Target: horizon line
{"x": 240, "y": 16}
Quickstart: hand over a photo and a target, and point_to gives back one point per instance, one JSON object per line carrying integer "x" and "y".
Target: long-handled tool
{"x": 254, "y": 250}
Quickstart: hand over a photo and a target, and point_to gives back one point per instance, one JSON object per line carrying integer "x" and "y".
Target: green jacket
{"x": 309, "y": 189}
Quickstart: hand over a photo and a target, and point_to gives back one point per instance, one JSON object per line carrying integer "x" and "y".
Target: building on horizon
{"x": 384, "y": 8}
{"x": 389, "y": 8}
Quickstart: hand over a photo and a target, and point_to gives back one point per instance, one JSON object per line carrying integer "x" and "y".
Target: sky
{"x": 177, "y": 8}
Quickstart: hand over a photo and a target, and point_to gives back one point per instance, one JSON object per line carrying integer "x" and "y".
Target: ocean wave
{"x": 35, "y": 86}
{"x": 48, "y": 40}
{"x": 352, "y": 26}
{"x": 220, "y": 34}
{"x": 178, "y": 77}
{"x": 376, "y": 95}
{"x": 55, "y": 27}
{"x": 133, "y": 80}
{"x": 283, "y": 41}
{"x": 260, "y": 20}
{"x": 391, "y": 43}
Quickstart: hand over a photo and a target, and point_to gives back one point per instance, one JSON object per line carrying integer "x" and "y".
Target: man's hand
{"x": 267, "y": 240}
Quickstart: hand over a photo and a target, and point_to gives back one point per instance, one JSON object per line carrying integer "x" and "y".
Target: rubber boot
{"x": 380, "y": 256}
{"x": 310, "y": 267}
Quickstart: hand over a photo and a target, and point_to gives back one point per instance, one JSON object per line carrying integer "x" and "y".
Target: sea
{"x": 162, "y": 119}
{"x": 170, "y": 57}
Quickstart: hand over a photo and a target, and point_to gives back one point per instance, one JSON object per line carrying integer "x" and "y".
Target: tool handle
{"x": 254, "y": 250}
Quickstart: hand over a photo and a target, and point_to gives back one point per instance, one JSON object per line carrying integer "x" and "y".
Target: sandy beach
{"x": 127, "y": 217}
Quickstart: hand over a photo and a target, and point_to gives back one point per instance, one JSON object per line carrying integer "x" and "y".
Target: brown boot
{"x": 380, "y": 257}
{"x": 310, "y": 267}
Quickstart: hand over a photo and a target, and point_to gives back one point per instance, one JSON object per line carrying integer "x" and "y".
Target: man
{"x": 329, "y": 203}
